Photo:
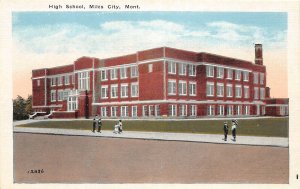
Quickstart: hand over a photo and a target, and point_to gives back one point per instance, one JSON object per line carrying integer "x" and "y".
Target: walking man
{"x": 120, "y": 126}
{"x": 99, "y": 125}
{"x": 225, "y": 127}
{"x": 233, "y": 129}
{"x": 94, "y": 124}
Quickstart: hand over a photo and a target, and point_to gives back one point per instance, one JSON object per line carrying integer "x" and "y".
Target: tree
{"x": 22, "y": 108}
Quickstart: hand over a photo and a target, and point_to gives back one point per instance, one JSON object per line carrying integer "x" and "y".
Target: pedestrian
{"x": 94, "y": 124}
{"x": 233, "y": 129}
{"x": 225, "y": 127}
{"x": 99, "y": 125}
{"x": 120, "y": 126}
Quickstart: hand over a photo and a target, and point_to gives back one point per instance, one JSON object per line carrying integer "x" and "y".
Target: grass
{"x": 276, "y": 127}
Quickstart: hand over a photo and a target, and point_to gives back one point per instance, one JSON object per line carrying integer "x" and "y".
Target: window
{"x": 72, "y": 103}
{"x": 60, "y": 95}
{"x": 182, "y": 69}
{"x": 247, "y": 110}
{"x": 192, "y": 88}
{"x": 237, "y": 75}
{"x": 210, "y": 110}
{"x": 229, "y": 90}
{"x": 182, "y": 110}
{"x": 192, "y": 70}
{"x": 145, "y": 111}
{"x": 38, "y": 82}
{"x": 246, "y": 91}
{"x": 53, "y": 81}
{"x": 151, "y": 110}
{"x": 209, "y": 71}
{"x": 229, "y": 73}
{"x": 238, "y": 91}
{"x": 239, "y": 110}
{"x": 53, "y": 95}
{"x": 134, "y": 71}
{"x": 104, "y": 92}
{"x": 172, "y": 87}
{"x": 256, "y": 93}
{"x": 114, "y": 91}
{"x": 220, "y": 89}
{"x": 114, "y": 110}
{"x": 83, "y": 80}
{"x": 220, "y": 72}
{"x": 262, "y": 93}
{"x": 210, "y": 89}
{"x": 172, "y": 67}
{"x": 124, "y": 111}
{"x": 255, "y": 77}
{"x": 59, "y": 80}
{"x": 193, "y": 110}
{"x": 66, "y": 94}
{"x": 261, "y": 78}
{"x": 172, "y": 110}
{"x": 157, "y": 110}
{"x": 150, "y": 68}
{"x": 246, "y": 76}
{"x": 182, "y": 87}
{"x": 124, "y": 90}
{"x": 113, "y": 74}
{"x": 123, "y": 72}
{"x": 67, "y": 79}
{"x": 103, "y": 111}
{"x": 134, "y": 90}
{"x": 134, "y": 111}
{"x": 221, "y": 110}
{"x": 103, "y": 75}
{"x": 230, "y": 110}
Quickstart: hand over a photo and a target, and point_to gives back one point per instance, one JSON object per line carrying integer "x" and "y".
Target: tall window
{"x": 157, "y": 110}
{"x": 262, "y": 93}
{"x": 237, "y": 75}
{"x": 151, "y": 110}
{"x": 255, "y": 77}
{"x": 247, "y": 110}
{"x": 210, "y": 110}
{"x": 123, "y": 72}
{"x": 134, "y": 111}
{"x": 209, "y": 71}
{"x": 172, "y": 67}
{"x": 261, "y": 78}
{"x": 182, "y": 87}
{"x": 103, "y": 111}
{"x": 246, "y": 76}
{"x": 113, "y": 110}
{"x": 230, "y": 110}
{"x": 124, "y": 90}
{"x": 238, "y": 91}
{"x": 238, "y": 109}
{"x": 182, "y": 69}
{"x": 53, "y": 95}
{"x": 229, "y": 73}
{"x": 182, "y": 110}
{"x": 59, "y": 80}
{"x": 256, "y": 93}
{"x": 192, "y": 70}
{"x": 172, "y": 110}
{"x": 192, "y": 88}
{"x": 210, "y": 89}
{"x": 145, "y": 111}
{"x": 53, "y": 81}
{"x": 103, "y": 75}
{"x": 220, "y": 72}
{"x": 113, "y": 74}
{"x": 246, "y": 91}
{"x": 60, "y": 95}
{"x": 229, "y": 90}
{"x": 38, "y": 82}
{"x": 221, "y": 110}
{"x": 134, "y": 71}
{"x": 134, "y": 90}
{"x": 124, "y": 111}
{"x": 66, "y": 94}
{"x": 72, "y": 103}
{"x": 67, "y": 79}
{"x": 172, "y": 87}
{"x": 104, "y": 91}
{"x": 220, "y": 89}
{"x": 150, "y": 68}
{"x": 83, "y": 80}
{"x": 193, "y": 110}
{"x": 114, "y": 91}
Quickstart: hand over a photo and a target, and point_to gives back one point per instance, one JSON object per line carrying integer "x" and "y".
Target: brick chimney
{"x": 258, "y": 54}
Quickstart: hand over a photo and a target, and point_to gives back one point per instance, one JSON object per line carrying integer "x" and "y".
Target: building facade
{"x": 154, "y": 83}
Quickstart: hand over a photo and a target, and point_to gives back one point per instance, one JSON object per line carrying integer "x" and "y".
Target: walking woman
{"x": 233, "y": 129}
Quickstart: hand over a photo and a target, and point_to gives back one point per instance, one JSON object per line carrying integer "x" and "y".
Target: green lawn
{"x": 252, "y": 127}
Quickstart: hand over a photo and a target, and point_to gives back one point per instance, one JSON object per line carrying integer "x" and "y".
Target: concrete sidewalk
{"x": 188, "y": 137}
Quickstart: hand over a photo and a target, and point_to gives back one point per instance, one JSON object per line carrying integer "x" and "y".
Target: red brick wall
{"x": 180, "y": 54}
{"x": 127, "y": 59}
{"x": 150, "y": 54}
